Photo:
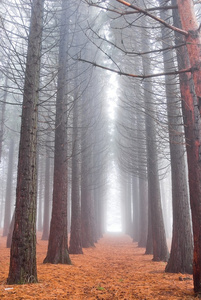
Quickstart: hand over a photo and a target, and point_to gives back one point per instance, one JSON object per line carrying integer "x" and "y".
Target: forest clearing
{"x": 114, "y": 269}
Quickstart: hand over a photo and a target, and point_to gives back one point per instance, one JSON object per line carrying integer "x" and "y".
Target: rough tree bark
{"x": 191, "y": 94}
{"x": 23, "y": 249}
{"x": 181, "y": 255}
{"x": 58, "y": 237}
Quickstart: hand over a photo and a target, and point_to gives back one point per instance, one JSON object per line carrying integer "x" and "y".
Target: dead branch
{"x": 145, "y": 12}
{"x": 176, "y": 72}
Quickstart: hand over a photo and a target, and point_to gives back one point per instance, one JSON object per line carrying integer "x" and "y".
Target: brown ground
{"x": 115, "y": 269}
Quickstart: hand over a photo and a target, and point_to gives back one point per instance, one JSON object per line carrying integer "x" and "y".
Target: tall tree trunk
{"x": 10, "y": 231}
{"x": 100, "y": 211}
{"x": 143, "y": 222}
{"x": 98, "y": 191}
{"x": 181, "y": 255}
{"x": 143, "y": 203}
{"x": 23, "y": 249}
{"x": 40, "y": 185}
{"x": 160, "y": 250}
{"x": 127, "y": 204}
{"x": 149, "y": 244}
{"x": 46, "y": 209}
{"x": 58, "y": 238}
{"x": 75, "y": 237}
{"x": 87, "y": 205}
{"x": 2, "y": 120}
{"x": 135, "y": 200}
{"x": 190, "y": 93}
{"x": 8, "y": 199}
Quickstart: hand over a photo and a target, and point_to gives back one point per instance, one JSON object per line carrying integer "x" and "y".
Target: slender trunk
{"x": 167, "y": 208}
{"x": 100, "y": 212}
{"x": 3, "y": 109}
{"x": 160, "y": 250}
{"x": 86, "y": 197}
{"x": 87, "y": 205}
{"x": 135, "y": 200}
{"x": 8, "y": 200}
{"x": 40, "y": 184}
{"x": 75, "y": 237}
{"x": 143, "y": 203}
{"x": 127, "y": 206}
{"x": 58, "y": 237}
{"x": 86, "y": 211}
{"x": 143, "y": 222}
{"x": 46, "y": 209}
{"x": 10, "y": 231}
{"x": 149, "y": 243}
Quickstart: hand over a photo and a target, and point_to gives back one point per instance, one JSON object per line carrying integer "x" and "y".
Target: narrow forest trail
{"x": 115, "y": 269}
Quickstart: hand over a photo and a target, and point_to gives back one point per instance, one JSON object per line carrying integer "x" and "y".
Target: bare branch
{"x": 162, "y": 8}
{"x": 131, "y": 52}
{"x": 130, "y": 12}
{"x": 145, "y": 12}
{"x": 135, "y": 75}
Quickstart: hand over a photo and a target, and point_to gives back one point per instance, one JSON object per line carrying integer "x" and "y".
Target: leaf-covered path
{"x": 115, "y": 269}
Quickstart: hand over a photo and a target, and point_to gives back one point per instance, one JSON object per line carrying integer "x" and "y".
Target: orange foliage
{"x": 115, "y": 269}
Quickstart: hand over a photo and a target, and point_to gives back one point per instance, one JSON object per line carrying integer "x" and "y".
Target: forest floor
{"x": 114, "y": 269}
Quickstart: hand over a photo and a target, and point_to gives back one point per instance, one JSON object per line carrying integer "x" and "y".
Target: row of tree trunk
{"x": 87, "y": 208}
